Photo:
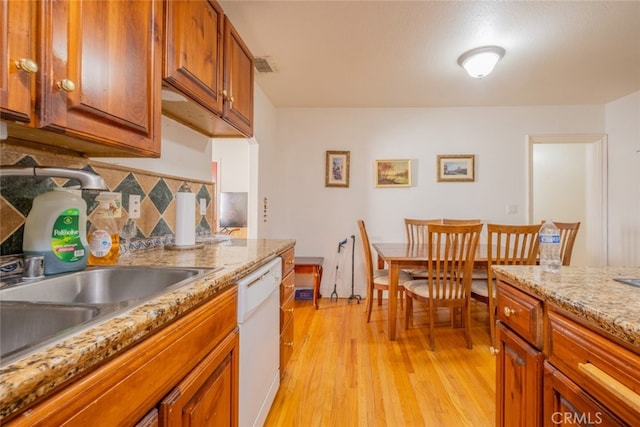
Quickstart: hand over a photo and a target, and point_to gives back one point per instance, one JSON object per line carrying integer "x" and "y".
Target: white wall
{"x": 623, "y": 128}
{"x": 185, "y": 153}
{"x": 318, "y": 217}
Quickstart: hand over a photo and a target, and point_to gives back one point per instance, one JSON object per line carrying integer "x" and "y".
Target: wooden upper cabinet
{"x": 209, "y": 68}
{"x": 102, "y": 80}
{"x": 18, "y": 65}
{"x": 238, "y": 80}
{"x": 193, "y": 57}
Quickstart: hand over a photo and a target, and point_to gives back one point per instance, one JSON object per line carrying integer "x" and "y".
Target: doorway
{"x": 567, "y": 182}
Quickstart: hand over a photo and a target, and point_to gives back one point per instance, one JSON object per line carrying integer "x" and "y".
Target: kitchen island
{"x": 568, "y": 346}
{"x": 50, "y": 369}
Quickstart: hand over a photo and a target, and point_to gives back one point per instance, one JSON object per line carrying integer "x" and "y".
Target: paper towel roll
{"x": 185, "y": 219}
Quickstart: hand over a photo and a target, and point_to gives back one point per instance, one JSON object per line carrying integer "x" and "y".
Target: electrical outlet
{"x": 512, "y": 209}
{"x": 134, "y": 206}
{"x": 203, "y": 206}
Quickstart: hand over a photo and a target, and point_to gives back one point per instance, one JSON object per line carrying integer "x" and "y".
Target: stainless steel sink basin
{"x": 103, "y": 285}
{"x": 23, "y": 324}
{"x": 35, "y": 313}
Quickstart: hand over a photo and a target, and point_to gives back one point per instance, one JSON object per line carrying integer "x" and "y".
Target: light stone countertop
{"x": 35, "y": 375}
{"x": 588, "y": 293}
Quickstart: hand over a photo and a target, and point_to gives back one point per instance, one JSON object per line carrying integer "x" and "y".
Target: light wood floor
{"x": 345, "y": 372}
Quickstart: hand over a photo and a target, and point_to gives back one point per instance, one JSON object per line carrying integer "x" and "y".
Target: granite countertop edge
{"x": 590, "y": 294}
{"x": 35, "y": 375}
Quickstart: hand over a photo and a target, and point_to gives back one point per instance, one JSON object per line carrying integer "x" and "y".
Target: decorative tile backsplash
{"x": 156, "y": 225}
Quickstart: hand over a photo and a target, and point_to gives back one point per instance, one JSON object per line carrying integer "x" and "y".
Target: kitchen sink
{"x": 102, "y": 285}
{"x": 34, "y": 313}
{"x": 22, "y": 324}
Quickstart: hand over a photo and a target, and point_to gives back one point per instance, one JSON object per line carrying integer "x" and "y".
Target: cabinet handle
{"x": 290, "y": 286}
{"x": 289, "y": 344}
{"x": 610, "y": 384}
{"x": 289, "y": 310}
{"x": 226, "y": 96}
{"x": 27, "y": 65}
{"x": 508, "y": 311}
{"x": 494, "y": 351}
{"x": 66, "y": 85}
{"x": 290, "y": 261}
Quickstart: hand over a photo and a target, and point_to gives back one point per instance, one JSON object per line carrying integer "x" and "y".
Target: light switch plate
{"x": 203, "y": 206}
{"x": 134, "y": 206}
{"x": 512, "y": 209}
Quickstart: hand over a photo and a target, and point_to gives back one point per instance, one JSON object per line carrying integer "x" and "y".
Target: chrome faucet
{"x": 88, "y": 180}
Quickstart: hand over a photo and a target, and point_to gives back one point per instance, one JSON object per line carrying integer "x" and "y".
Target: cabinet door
{"x": 18, "y": 61}
{"x": 238, "y": 81}
{"x": 193, "y": 50}
{"x": 566, "y": 403}
{"x": 102, "y": 81}
{"x": 519, "y": 380}
{"x": 208, "y": 396}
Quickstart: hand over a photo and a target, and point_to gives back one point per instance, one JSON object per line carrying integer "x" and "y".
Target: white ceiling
{"x": 396, "y": 53}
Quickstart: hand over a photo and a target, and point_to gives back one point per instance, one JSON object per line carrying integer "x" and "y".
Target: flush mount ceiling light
{"x": 480, "y": 61}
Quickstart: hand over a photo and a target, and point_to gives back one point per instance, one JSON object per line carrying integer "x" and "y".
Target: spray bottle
{"x": 103, "y": 238}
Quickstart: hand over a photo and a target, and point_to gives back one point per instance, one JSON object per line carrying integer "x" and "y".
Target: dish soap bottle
{"x": 104, "y": 242}
{"x": 56, "y": 228}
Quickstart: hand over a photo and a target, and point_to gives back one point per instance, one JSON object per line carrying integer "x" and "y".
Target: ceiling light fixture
{"x": 479, "y": 62}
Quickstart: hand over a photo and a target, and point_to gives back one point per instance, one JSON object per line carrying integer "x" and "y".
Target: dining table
{"x": 400, "y": 256}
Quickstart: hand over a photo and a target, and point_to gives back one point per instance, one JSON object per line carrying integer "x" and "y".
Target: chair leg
{"x": 369, "y": 303}
{"x": 408, "y": 314}
{"x": 432, "y": 321}
{"x": 492, "y": 315}
{"x": 379, "y": 297}
{"x": 466, "y": 319}
{"x": 401, "y": 297}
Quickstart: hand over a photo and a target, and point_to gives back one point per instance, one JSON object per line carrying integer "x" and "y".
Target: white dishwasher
{"x": 259, "y": 323}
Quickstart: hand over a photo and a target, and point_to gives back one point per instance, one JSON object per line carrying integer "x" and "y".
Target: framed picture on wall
{"x": 336, "y": 172}
{"x": 393, "y": 173}
{"x": 456, "y": 168}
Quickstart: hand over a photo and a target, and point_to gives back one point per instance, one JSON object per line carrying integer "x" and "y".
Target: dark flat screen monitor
{"x": 233, "y": 210}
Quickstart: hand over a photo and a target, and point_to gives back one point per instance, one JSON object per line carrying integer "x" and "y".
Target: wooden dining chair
{"x": 416, "y": 230}
{"x": 377, "y": 279}
{"x": 506, "y": 245}
{"x": 568, "y": 233}
{"x": 460, "y": 221}
{"x": 452, "y": 250}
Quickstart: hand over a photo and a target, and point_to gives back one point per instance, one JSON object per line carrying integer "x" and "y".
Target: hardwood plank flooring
{"x": 345, "y": 372}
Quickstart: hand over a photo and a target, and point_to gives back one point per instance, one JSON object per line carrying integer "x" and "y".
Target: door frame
{"x": 597, "y": 207}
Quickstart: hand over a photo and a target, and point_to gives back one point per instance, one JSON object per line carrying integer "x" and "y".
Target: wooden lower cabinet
{"x": 208, "y": 395}
{"x": 519, "y": 380}
{"x": 187, "y": 370}
{"x": 566, "y": 403}
{"x": 555, "y": 369}
{"x": 287, "y": 302}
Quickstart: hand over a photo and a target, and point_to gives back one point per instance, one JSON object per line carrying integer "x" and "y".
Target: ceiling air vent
{"x": 262, "y": 65}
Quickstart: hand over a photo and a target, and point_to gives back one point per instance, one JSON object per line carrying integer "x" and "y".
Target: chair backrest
{"x": 460, "y": 221}
{"x": 568, "y": 233}
{"x": 452, "y": 251}
{"x": 417, "y": 229}
{"x": 366, "y": 247}
{"x": 509, "y": 244}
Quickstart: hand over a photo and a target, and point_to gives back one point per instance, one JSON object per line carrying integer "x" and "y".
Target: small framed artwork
{"x": 456, "y": 168}
{"x": 393, "y": 173}
{"x": 337, "y": 169}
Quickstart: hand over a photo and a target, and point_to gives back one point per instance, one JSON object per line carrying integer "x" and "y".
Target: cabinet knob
{"x": 27, "y": 65}
{"x": 289, "y": 344}
{"x": 226, "y": 97}
{"x": 66, "y": 85}
{"x": 508, "y": 311}
{"x": 289, "y": 310}
{"x": 494, "y": 351}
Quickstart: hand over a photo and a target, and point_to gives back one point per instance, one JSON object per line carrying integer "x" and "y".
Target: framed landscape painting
{"x": 456, "y": 168}
{"x": 393, "y": 173}
{"x": 337, "y": 169}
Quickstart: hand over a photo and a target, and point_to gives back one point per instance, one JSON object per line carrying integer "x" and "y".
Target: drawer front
{"x": 603, "y": 369}
{"x": 521, "y": 312}
{"x": 286, "y": 312}
{"x": 288, "y": 261}
{"x": 287, "y": 287}
{"x": 286, "y": 346}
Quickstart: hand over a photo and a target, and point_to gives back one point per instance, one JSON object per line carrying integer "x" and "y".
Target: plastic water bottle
{"x": 550, "y": 247}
